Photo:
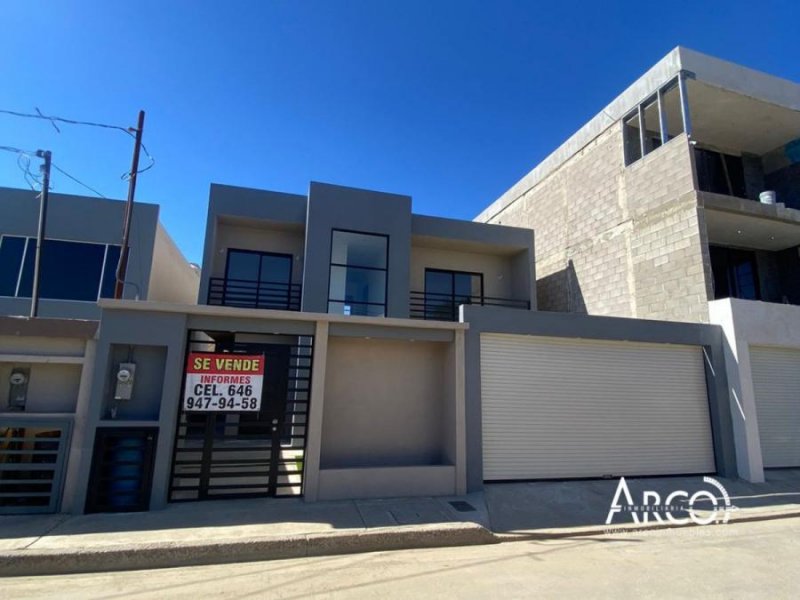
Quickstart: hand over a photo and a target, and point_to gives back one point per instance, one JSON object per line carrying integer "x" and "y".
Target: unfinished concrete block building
{"x": 651, "y": 209}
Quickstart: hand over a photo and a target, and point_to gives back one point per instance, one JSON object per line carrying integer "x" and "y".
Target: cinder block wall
{"x": 616, "y": 240}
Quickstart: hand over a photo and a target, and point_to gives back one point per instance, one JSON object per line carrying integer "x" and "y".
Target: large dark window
{"x": 358, "y": 273}
{"x": 69, "y": 270}
{"x": 12, "y": 250}
{"x": 445, "y": 291}
{"x": 266, "y": 267}
{"x": 259, "y": 279}
{"x": 735, "y": 273}
{"x": 720, "y": 173}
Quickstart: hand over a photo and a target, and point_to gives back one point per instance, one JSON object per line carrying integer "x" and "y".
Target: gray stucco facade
{"x": 556, "y": 325}
{"x": 99, "y": 221}
{"x": 302, "y": 226}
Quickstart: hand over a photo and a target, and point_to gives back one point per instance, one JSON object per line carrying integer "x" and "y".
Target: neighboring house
{"x": 46, "y": 363}
{"x": 651, "y": 209}
{"x": 80, "y": 255}
{"x": 659, "y": 208}
{"x": 356, "y": 252}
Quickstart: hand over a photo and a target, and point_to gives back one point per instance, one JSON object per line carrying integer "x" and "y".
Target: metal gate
{"x": 33, "y": 455}
{"x": 224, "y": 455}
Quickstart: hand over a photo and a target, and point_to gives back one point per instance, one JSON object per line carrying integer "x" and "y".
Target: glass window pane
{"x": 357, "y": 285}
{"x": 438, "y": 282}
{"x": 26, "y": 282}
{"x": 110, "y": 274}
{"x": 69, "y": 270}
{"x": 11, "y": 251}
{"x": 360, "y": 310}
{"x": 243, "y": 265}
{"x": 467, "y": 288}
{"x": 358, "y": 249}
{"x": 276, "y": 269}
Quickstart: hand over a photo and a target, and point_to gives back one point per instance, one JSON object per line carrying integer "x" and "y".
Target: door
{"x": 557, "y": 408}
{"x": 240, "y": 454}
{"x": 122, "y": 469}
{"x": 259, "y": 280}
{"x": 445, "y": 291}
{"x": 776, "y": 384}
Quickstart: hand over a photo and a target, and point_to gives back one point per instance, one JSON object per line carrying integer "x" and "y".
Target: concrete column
{"x": 315, "y": 414}
{"x": 69, "y": 502}
{"x": 460, "y": 413}
{"x": 747, "y": 440}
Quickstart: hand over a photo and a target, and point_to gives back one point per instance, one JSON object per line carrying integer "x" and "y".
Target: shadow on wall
{"x": 560, "y": 291}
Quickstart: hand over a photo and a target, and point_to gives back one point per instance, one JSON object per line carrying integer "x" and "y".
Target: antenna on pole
{"x": 122, "y": 266}
{"x": 46, "y": 155}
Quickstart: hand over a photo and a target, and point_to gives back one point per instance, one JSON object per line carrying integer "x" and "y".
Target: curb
{"x": 18, "y": 563}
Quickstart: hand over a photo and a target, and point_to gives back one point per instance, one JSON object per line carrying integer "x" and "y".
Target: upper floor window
{"x": 79, "y": 271}
{"x": 445, "y": 291}
{"x": 256, "y": 280}
{"x": 358, "y": 273}
{"x": 720, "y": 173}
{"x": 735, "y": 273}
{"x": 653, "y": 123}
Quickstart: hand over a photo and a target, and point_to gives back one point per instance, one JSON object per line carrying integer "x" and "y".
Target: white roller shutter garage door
{"x": 566, "y": 408}
{"x": 776, "y": 383}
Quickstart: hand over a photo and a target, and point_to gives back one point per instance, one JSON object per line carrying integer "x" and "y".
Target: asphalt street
{"x": 744, "y": 560}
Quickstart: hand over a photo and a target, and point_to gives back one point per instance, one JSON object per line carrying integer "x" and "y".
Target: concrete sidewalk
{"x": 235, "y": 531}
{"x": 251, "y": 530}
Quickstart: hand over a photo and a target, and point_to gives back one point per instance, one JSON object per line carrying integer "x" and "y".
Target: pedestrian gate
{"x": 229, "y": 454}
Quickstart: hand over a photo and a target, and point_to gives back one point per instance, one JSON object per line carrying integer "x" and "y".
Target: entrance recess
{"x": 230, "y": 454}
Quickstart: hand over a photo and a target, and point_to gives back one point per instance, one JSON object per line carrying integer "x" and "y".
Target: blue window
{"x": 69, "y": 270}
{"x": 12, "y": 250}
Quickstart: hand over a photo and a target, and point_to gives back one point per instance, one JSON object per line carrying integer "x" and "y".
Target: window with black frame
{"x": 735, "y": 273}
{"x": 81, "y": 271}
{"x": 259, "y": 280}
{"x": 358, "y": 273}
{"x": 446, "y": 290}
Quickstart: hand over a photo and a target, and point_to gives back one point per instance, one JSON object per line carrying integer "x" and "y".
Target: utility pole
{"x": 43, "y": 197}
{"x": 122, "y": 267}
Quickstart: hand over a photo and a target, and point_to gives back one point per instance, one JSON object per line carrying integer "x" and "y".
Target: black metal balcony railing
{"x": 444, "y": 307}
{"x": 254, "y": 294}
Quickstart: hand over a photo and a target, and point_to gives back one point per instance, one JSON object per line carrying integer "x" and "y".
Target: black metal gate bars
{"x": 224, "y": 455}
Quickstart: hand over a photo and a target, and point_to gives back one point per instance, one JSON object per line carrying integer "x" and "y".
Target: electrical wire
{"x": 76, "y": 180}
{"x": 24, "y": 163}
{"x": 127, "y": 130}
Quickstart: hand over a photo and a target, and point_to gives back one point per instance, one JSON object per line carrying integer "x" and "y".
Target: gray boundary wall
{"x": 567, "y": 325}
{"x": 148, "y": 326}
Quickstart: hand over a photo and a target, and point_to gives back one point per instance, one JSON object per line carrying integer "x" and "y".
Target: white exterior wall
{"x": 748, "y": 323}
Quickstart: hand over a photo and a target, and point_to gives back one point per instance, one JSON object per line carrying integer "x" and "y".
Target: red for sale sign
{"x": 223, "y": 382}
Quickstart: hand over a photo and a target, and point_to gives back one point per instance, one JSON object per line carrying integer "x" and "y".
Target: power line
{"x": 52, "y": 120}
{"x": 24, "y": 163}
{"x": 76, "y": 180}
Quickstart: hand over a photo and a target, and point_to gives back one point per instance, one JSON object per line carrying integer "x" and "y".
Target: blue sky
{"x": 450, "y": 102}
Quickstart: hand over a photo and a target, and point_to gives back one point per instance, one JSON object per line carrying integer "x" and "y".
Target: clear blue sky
{"x": 450, "y": 102}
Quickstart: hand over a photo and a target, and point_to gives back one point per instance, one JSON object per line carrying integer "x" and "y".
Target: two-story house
{"x": 357, "y": 252}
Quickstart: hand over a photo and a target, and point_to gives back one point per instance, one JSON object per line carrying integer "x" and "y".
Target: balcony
{"x": 444, "y": 307}
{"x": 242, "y": 293}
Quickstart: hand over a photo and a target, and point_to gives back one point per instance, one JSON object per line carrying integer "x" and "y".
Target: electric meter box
{"x": 126, "y": 374}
